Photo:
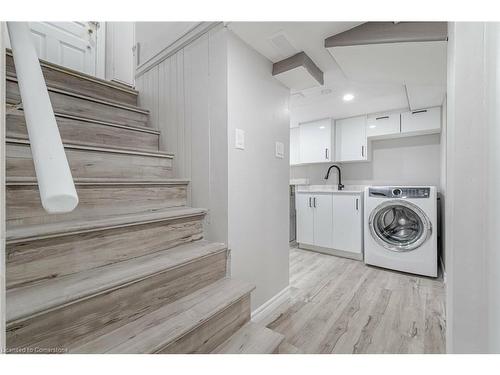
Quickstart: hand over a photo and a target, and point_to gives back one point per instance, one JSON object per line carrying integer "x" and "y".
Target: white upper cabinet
{"x": 350, "y": 139}
{"x": 424, "y": 121}
{"x": 315, "y": 141}
{"x": 294, "y": 146}
{"x": 383, "y": 125}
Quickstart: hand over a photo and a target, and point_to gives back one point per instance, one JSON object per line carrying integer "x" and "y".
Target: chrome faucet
{"x": 340, "y": 186}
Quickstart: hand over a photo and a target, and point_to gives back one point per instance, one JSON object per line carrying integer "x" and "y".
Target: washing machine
{"x": 400, "y": 227}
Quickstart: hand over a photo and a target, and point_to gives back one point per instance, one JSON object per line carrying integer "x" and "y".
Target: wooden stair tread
{"x": 32, "y": 232}
{"x": 69, "y": 71}
{"x": 251, "y": 339}
{"x": 47, "y": 295}
{"x": 157, "y": 154}
{"x": 154, "y": 331}
{"x": 111, "y": 103}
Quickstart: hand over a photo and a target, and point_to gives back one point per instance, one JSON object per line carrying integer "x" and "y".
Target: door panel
{"x": 315, "y": 141}
{"x": 323, "y": 220}
{"x": 350, "y": 135}
{"x": 305, "y": 218}
{"x": 347, "y": 223}
{"x": 69, "y": 44}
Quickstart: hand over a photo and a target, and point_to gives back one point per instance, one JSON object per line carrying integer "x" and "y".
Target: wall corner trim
{"x": 267, "y": 307}
{"x": 176, "y": 46}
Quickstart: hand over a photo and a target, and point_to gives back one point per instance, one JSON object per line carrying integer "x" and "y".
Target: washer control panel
{"x": 399, "y": 192}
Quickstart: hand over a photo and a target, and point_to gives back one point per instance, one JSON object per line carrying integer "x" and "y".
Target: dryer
{"x": 400, "y": 227}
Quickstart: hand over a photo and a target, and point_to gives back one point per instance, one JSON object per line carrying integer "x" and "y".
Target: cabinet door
{"x": 315, "y": 141}
{"x": 383, "y": 125}
{"x": 323, "y": 220}
{"x": 424, "y": 121}
{"x": 294, "y": 146}
{"x": 347, "y": 223}
{"x": 350, "y": 135}
{"x": 305, "y": 218}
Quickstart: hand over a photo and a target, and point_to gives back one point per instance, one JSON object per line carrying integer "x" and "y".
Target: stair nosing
{"x": 31, "y": 181}
{"x": 93, "y": 225}
{"x": 209, "y": 249}
{"x": 93, "y": 145}
{"x": 137, "y": 128}
{"x": 128, "y": 107}
{"x": 155, "y": 154}
{"x": 84, "y": 76}
{"x": 248, "y": 325}
{"x": 244, "y": 289}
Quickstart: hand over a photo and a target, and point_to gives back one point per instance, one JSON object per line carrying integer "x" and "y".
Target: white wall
{"x": 197, "y": 97}
{"x": 258, "y": 194}
{"x": 402, "y": 161}
{"x": 186, "y": 94}
{"x": 472, "y": 202}
{"x": 155, "y": 36}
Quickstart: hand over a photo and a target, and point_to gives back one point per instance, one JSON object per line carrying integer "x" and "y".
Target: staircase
{"x": 128, "y": 270}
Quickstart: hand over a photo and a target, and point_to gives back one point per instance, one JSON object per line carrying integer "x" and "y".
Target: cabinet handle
{"x": 421, "y": 111}
{"x": 363, "y": 151}
{"x": 357, "y": 204}
{"x": 381, "y": 118}
{"x": 326, "y": 153}
{"x": 314, "y": 202}
{"x": 310, "y": 204}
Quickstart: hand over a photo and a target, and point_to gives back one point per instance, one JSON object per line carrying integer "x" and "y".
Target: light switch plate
{"x": 280, "y": 150}
{"x": 239, "y": 139}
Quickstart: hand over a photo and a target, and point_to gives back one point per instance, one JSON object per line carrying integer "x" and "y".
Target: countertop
{"x": 349, "y": 189}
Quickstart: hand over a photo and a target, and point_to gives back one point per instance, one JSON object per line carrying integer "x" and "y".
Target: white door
{"x": 347, "y": 223}
{"x": 323, "y": 220}
{"x": 350, "y": 136}
{"x": 315, "y": 141}
{"x": 70, "y": 44}
{"x": 120, "y": 41}
{"x": 305, "y": 218}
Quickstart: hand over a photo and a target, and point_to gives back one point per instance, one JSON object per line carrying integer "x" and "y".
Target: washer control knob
{"x": 397, "y": 192}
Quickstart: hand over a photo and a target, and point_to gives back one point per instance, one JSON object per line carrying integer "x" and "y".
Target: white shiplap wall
{"x": 186, "y": 97}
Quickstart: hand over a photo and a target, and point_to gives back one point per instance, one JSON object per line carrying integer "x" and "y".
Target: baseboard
{"x": 267, "y": 307}
{"x": 328, "y": 251}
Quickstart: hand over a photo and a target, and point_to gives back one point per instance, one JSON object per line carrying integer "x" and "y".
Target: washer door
{"x": 399, "y": 225}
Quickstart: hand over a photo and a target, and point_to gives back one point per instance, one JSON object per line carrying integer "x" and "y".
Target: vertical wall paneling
{"x": 186, "y": 95}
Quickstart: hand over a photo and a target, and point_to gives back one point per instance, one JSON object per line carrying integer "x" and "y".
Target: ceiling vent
{"x": 283, "y": 45}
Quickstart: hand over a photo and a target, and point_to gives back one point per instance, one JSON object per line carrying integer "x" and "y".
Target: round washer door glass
{"x": 399, "y": 225}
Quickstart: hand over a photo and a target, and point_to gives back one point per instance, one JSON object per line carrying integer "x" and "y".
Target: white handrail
{"x": 55, "y": 182}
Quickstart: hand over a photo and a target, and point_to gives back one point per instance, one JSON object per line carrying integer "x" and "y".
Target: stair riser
{"x": 93, "y": 164}
{"x": 25, "y": 208}
{"x": 75, "y": 106}
{"x": 206, "y": 337}
{"x": 54, "y": 77}
{"x": 100, "y": 314}
{"x": 89, "y": 133}
{"x": 44, "y": 259}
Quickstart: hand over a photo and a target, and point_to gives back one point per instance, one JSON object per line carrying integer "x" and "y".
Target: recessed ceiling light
{"x": 348, "y": 97}
{"x": 321, "y": 127}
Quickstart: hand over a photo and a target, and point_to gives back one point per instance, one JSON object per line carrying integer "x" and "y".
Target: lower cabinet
{"x": 348, "y": 223}
{"x": 330, "y": 221}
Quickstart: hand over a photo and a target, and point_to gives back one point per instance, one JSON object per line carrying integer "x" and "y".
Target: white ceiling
{"x": 374, "y": 92}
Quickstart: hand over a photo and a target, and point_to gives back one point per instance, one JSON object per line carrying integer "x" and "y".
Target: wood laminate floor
{"x": 339, "y": 305}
